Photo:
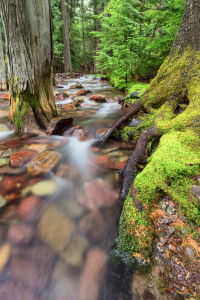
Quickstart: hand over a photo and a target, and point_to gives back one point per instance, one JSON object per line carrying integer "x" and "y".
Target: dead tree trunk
{"x": 3, "y": 85}
{"x": 67, "y": 54}
{"x": 28, "y": 32}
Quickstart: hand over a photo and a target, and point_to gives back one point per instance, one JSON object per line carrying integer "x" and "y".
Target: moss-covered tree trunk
{"x": 173, "y": 105}
{"x": 28, "y": 32}
{"x": 66, "y": 43}
{"x": 3, "y": 85}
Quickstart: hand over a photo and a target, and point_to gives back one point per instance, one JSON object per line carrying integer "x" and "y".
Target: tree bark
{"x": 3, "y": 85}
{"x": 67, "y": 54}
{"x": 83, "y": 32}
{"x": 29, "y": 45}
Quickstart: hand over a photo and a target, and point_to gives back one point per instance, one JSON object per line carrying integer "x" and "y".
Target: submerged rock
{"x": 44, "y": 162}
{"x": 30, "y": 208}
{"x": 20, "y": 234}
{"x": 21, "y": 158}
{"x": 44, "y": 188}
{"x": 5, "y": 251}
{"x": 59, "y": 125}
{"x": 8, "y": 289}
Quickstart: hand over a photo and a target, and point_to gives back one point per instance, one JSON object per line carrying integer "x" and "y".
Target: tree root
{"x": 129, "y": 171}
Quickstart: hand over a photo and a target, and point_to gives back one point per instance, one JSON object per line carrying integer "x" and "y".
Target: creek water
{"x": 58, "y": 230}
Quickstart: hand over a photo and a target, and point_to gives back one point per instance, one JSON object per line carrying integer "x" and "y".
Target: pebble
{"x": 44, "y": 188}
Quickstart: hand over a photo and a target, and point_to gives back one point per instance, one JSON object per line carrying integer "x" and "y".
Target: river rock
{"x": 98, "y": 98}
{"x": 80, "y": 134}
{"x": 62, "y": 96}
{"x": 10, "y": 183}
{"x": 55, "y": 229}
{"x": 168, "y": 254}
{"x": 76, "y": 86}
{"x": 173, "y": 248}
{"x": 2, "y": 201}
{"x": 74, "y": 253}
{"x": 135, "y": 95}
{"x": 81, "y": 92}
{"x": 20, "y": 234}
{"x": 69, "y": 107}
{"x": 5, "y": 251}
{"x": 78, "y": 100}
{"x": 92, "y": 274}
{"x": 59, "y": 125}
{"x": 93, "y": 226}
{"x": 100, "y": 132}
{"x": 135, "y": 122}
{"x": 30, "y": 208}
{"x": 10, "y": 290}
{"x": 98, "y": 193}
{"x": 13, "y": 196}
{"x": 21, "y": 158}
{"x": 44, "y": 163}
{"x": 4, "y": 161}
{"x": 38, "y": 147}
{"x": 44, "y": 188}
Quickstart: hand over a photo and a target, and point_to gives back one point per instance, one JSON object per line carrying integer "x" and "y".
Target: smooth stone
{"x": 59, "y": 125}
{"x": 5, "y": 252}
{"x": 11, "y": 183}
{"x": 21, "y": 158}
{"x": 55, "y": 229}
{"x": 44, "y": 188}
{"x": 10, "y": 290}
{"x": 2, "y": 201}
{"x": 4, "y": 127}
{"x": 92, "y": 275}
{"x": 20, "y": 234}
{"x": 74, "y": 253}
{"x": 44, "y": 162}
{"x": 38, "y": 147}
{"x": 135, "y": 122}
{"x": 135, "y": 95}
{"x": 4, "y": 162}
{"x": 30, "y": 208}
{"x": 98, "y": 98}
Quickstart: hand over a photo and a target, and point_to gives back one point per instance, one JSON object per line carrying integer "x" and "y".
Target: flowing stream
{"x": 58, "y": 230}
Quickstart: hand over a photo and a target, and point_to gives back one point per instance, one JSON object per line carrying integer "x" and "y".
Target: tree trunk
{"x": 28, "y": 32}
{"x": 172, "y": 167}
{"x": 83, "y": 32}
{"x": 3, "y": 85}
{"x": 67, "y": 54}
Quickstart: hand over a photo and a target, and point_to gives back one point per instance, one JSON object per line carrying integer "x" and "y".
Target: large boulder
{"x": 59, "y": 125}
{"x": 98, "y": 98}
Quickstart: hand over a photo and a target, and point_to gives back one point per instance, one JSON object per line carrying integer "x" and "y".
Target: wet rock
{"x": 13, "y": 196}
{"x": 2, "y": 201}
{"x": 100, "y": 132}
{"x": 76, "y": 86}
{"x": 92, "y": 274}
{"x": 62, "y": 96}
{"x": 93, "y": 226}
{"x": 82, "y": 92}
{"x": 55, "y": 229}
{"x": 4, "y": 161}
{"x": 173, "y": 248}
{"x": 59, "y": 125}
{"x": 21, "y": 158}
{"x": 121, "y": 165}
{"x": 98, "y": 98}
{"x": 6, "y": 170}
{"x": 74, "y": 253}
{"x": 135, "y": 122}
{"x": 5, "y": 153}
{"x": 10, "y": 183}
{"x": 44, "y": 188}
{"x": 80, "y": 134}
{"x": 30, "y": 274}
{"x": 98, "y": 193}
{"x": 38, "y": 147}
{"x": 20, "y": 234}
{"x": 78, "y": 100}
{"x": 44, "y": 163}
{"x": 135, "y": 95}
{"x": 5, "y": 251}
{"x": 196, "y": 193}
{"x": 30, "y": 208}
{"x": 168, "y": 254}
{"x": 69, "y": 107}
{"x": 103, "y": 161}
{"x": 8, "y": 290}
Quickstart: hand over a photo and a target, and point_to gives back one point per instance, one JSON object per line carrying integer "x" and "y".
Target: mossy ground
{"x": 171, "y": 169}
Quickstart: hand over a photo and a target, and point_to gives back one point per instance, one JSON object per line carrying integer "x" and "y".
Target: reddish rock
{"x": 93, "y": 226}
{"x": 30, "y": 274}
{"x": 98, "y": 193}
{"x": 59, "y": 125}
{"x": 15, "y": 144}
{"x": 173, "y": 248}
{"x": 7, "y": 96}
{"x": 20, "y": 234}
{"x": 10, "y": 183}
{"x": 6, "y": 170}
{"x": 69, "y": 107}
{"x": 31, "y": 208}
{"x": 80, "y": 135}
{"x": 62, "y": 96}
{"x": 10, "y": 291}
{"x": 98, "y": 98}
{"x": 81, "y": 93}
{"x": 21, "y": 158}
{"x": 100, "y": 132}
{"x": 121, "y": 165}
{"x": 103, "y": 161}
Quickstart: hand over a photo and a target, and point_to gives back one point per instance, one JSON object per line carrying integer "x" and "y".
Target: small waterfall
{"x": 5, "y": 134}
